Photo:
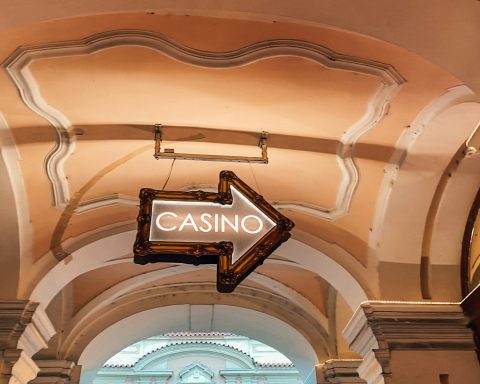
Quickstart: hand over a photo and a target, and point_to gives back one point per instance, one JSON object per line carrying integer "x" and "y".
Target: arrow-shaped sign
{"x": 234, "y": 228}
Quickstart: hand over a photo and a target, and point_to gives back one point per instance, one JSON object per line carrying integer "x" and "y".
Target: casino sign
{"x": 234, "y": 228}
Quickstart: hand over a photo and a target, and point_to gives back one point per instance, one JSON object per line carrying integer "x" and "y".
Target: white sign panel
{"x": 241, "y": 223}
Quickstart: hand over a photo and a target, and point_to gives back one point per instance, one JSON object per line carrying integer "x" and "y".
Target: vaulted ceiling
{"x": 367, "y": 112}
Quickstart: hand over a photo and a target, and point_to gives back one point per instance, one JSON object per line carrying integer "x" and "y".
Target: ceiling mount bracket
{"x": 169, "y": 153}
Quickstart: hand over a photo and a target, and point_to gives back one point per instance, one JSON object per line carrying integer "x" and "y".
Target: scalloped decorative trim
{"x": 18, "y": 63}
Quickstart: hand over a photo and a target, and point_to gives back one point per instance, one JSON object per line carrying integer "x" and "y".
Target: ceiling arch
{"x": 375, "y": 122}
{"x": 361, "y": 129}
{"x": 74, "y": 341}
{"x": 114, "y": 248}
{"x": 145, "y": 281}
{"x": 253, "y": 324}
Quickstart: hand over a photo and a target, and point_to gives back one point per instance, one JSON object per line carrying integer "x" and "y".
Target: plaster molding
{"x": 102, "y": 301}
{"x": 338, "y": 371}
{"x": 115, "y": 247}
{"x": 206, "y": 348}
{"x": 262, "y": 375}
{"x": 55, "y": 368}
{"x": 254, "y": 324}
{"x": 359, "y": 335}
{"x": 37, "y": 333}
{"x": 24, "y": 330}
{"x": 357, "y": 290}
{"x": 176, "y": 294}
{"x": 15, "y": 316}
{"x": 65, "y": 142}
{"x": 23, "y": 370}
{"x": 371, "y": 370}
{"x": 109, "y": 374}
{"x": 377, "y": 328}
{"x": 17, "y": 65}
{"x": 8, "y": 358}
{"x": 203, "y": 367}
{"x": 56, "y": 372}
{"x": 31, "y": 341}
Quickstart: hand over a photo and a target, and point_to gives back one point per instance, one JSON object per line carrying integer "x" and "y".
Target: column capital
{"x": 24, "y": 325}
{"x": 16, "y": 367}
{"x": 57, "y": 372}
{"x": 14, "y": 318}
{"x": 24, "y": 329}
{"x": 403, "y": 325}
{"x": 339, "y": 371}
{"x": 378, "y": 327}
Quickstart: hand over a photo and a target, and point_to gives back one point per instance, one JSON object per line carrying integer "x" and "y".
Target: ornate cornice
{"x": 24, "y": 330}
{"x": 377, "y": 328}
{"x": 55, "y": 372}
{"x": 37, "y": 333}
{"x": 411, "y": 326}
{"x": 337, "y": 371}
{"x": 16, "y": 366}
{"x": 17, "y": 65}
{"x": 203, "y": 367}
{"x": 15, "y": 316}
{"x": 188, "y": 346}
{"x": 24, "y": 325}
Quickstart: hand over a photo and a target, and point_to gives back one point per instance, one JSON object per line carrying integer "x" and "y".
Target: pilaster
{"x": 24, "y": 330}
{"x": 377, "y": 329}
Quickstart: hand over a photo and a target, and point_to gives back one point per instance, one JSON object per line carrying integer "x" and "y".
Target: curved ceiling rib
{"x": 109, "y": 250}
{"x": 116, "y": 292}
{"x": 205, "y": 294}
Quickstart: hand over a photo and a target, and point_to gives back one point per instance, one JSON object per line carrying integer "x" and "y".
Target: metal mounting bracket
{"x": 171, "y": 154}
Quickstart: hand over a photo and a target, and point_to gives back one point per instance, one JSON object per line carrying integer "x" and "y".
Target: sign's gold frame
{"x": 228, "y": 275}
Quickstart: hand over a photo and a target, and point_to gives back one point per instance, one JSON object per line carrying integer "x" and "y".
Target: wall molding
{"x": 379, "y": 327}
{"x": 101, "y": 303}
{"x": 207, "y": 347}
{"x": 180, "y": 293}
{"x": 113, "y": 247}
{"x": 242, "y": 321}
{"x": 37, "y": 333}
{"x": 17, "y": 66}
{"x": 338, "y": 371}
{"x": 56, "y": 372}
{"x": 24, "y": 329}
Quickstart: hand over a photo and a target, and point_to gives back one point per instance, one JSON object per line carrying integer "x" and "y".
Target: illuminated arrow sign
{"x": 234, "y": 228}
